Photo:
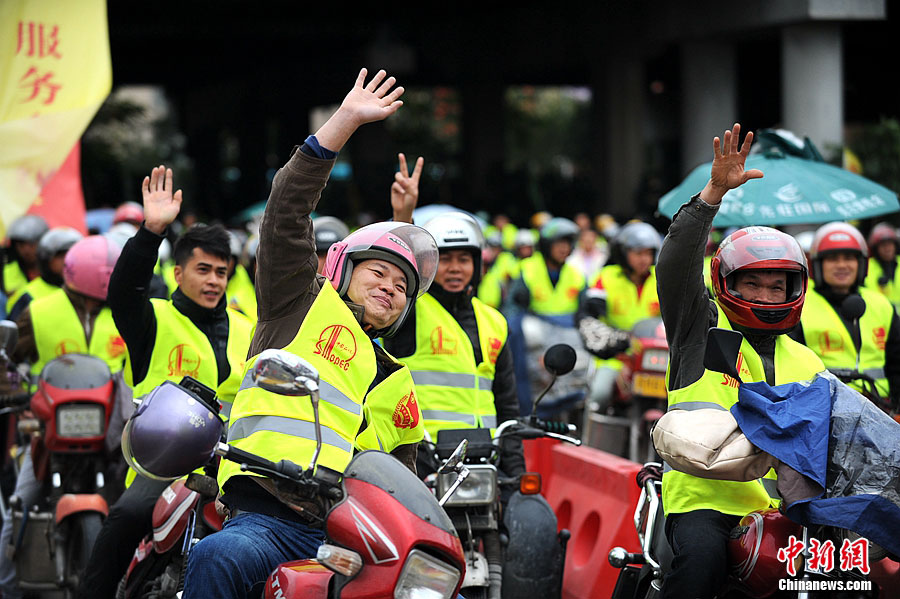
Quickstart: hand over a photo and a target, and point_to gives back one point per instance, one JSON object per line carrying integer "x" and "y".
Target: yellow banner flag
{"x": 55, "y": 71}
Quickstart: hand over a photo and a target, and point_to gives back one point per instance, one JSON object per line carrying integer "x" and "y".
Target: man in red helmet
{"x": 868, "y": 342}
{"x": 759, "y": 277}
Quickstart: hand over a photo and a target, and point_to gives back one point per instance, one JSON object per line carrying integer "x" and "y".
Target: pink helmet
{"x": 410, "y": 248}
{"x": 129, "y": 212}
{"x": 88, "y": 265}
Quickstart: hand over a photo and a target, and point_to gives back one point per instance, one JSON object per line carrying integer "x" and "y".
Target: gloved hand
{"x": 601, "y": 339}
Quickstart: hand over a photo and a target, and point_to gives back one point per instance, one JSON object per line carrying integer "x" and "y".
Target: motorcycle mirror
{"x": 9, "y": 335}
{"x": 284, "y": 373}
{"x": 722, "y": 349}
{"x": 559, "y": 359}
{"x": 853, "y": 307}
{"x": 456, "y": 458}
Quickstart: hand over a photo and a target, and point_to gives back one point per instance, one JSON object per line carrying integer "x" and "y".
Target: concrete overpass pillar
{"x": 812, "y": 83}
{"x": 709, "y": 98}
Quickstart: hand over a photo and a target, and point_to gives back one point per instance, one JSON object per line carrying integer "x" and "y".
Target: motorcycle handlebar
{"x": 15, "y": 400}
{"x": 534, "y": 428}
{"x": 285, "y": 469}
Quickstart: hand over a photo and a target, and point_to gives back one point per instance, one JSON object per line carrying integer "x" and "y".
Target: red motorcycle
{"x": 184, "y": 514}
{"x": 52, "y": 540}
{"x": 387, "y": 535}
{"x": 639, "y": 398}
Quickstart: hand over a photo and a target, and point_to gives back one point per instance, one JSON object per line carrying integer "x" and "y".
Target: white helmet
{"x": 458, "y": 231}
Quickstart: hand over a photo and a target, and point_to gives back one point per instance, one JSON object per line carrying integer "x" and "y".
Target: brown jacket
{"x": 286, "y": 280}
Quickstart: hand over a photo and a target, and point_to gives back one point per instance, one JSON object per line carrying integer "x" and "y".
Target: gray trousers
{"x": 28, "y": 488}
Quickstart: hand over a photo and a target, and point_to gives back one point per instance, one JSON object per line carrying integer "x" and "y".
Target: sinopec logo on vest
{"x": 184, "y": 361}
{"x": 337, "y": 345}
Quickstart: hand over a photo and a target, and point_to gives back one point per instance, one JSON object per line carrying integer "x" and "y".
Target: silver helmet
{"x": 459, "y": 231}
{"x": 29, "y": 228}
{"x": 56, "y": 240}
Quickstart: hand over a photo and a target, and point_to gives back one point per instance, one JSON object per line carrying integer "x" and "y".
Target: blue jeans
{"x": 235, "y": 562}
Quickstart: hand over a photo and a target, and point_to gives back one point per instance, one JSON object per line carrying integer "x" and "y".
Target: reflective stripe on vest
{"x": 281, "y": 427}
{"x": 451, "y": 379}
{"x": 243, "y": 428}
{"x": 827, "y": 335}
{"x": 58, "y": 330}
{"x": 454, "y": 391}
{"x": 546, "y": 299}
{"x": 683, "y": 492}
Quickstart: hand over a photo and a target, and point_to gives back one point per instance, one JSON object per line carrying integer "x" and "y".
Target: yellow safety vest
{"x": 167, "y": 272}
{"x": 454, "y": 391}
{"x": 281, "y": 427}
{"x": 891, "y": 289}
{"x": 826, "y": 335}
{"x": 506, "y": 267}
{"x": 624, "y": 306}
{"x": 546, "y": 299}
{"x": 181, "y": 349}
{"x": 58, "y": 330}
{"x": 13, "y": 278}
{"x": 684, "y": 492}
{"x": 489, "y": 290}
{"x": 37, "y": 289}
{"x": 241, "y": 294}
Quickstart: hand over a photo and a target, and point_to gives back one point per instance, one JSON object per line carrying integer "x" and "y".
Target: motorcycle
{"x": 639, "y": 398}
{"x": 386, "y": 534}
{"x": 184, "y": 514}
{"x": 52, "y": 540}
{"x": 520, "y": 561}
{"x": 755, "y": 548}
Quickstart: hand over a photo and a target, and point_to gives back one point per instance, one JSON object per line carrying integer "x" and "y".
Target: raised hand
{"x": 365, "y": 103}
{"x": 405, "y": 190}
{"x": 372, "y": 102}
{"x": 161, "y": 206}
{"x": 728, "y": 165}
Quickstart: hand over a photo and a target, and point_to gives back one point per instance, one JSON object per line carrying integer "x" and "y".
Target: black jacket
{"x": 506, "y": 403}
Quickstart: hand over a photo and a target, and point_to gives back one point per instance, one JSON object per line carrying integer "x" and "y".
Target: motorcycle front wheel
{"x": 83, "y": 531}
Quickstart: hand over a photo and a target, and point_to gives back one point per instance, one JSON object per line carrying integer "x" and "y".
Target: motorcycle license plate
{"x": 649, "y": 385}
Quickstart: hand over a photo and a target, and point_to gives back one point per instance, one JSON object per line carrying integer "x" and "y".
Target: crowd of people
{"x": 434, "y": 313}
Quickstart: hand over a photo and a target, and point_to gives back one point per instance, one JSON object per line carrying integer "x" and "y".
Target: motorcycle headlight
{"x": 479, "y": 488}
{"x": 76, "y": 421}
{"x": 655, "y": 359}
{"x": 426, "y": 577}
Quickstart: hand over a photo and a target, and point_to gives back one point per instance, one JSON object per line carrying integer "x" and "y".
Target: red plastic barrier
{"x": 538, "y": 458}
{"x": 593, "y": 494}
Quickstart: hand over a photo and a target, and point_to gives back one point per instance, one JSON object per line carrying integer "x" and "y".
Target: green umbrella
{"x": 798, "y": 188}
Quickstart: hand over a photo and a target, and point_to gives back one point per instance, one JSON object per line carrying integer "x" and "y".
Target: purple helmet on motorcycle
{"x": 171, "y": 433}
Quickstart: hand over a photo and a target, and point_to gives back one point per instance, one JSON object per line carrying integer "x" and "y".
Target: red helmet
{"x": 882, "y": 232}
{"x": 760, "y": 249}
{"x": 838, "y": 237}
{"x": 412, "y": 249}
{"x": 129, "y": 212}
{"x": 753, "y": 550}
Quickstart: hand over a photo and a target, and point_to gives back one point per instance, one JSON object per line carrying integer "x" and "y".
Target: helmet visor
{"x": 416, "y": 247}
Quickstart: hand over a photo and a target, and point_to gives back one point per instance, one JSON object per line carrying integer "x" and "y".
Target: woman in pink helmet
{"x": 370, "y": 282}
